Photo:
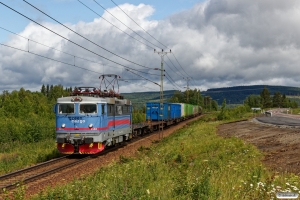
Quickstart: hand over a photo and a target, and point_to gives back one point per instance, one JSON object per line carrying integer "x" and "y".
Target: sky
{"x": 213, "y": 43}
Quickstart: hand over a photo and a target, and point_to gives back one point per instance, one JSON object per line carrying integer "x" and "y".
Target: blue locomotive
{"x": 88, "y": 120}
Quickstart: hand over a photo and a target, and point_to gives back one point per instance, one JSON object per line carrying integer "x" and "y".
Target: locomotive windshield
{"x": 66, "y": 108}
{"x": 88, "y": 108}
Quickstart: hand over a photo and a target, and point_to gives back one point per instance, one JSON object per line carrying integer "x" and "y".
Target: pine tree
{"x": 265, "y": 98}
{"x": 277, "y": 100}
{"x": 43, "y": 90}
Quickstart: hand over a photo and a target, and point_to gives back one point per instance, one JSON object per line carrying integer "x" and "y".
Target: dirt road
{"x": 279, "y": 143}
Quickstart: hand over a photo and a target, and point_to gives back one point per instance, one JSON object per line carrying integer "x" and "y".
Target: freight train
{"x": 90, "y": 119}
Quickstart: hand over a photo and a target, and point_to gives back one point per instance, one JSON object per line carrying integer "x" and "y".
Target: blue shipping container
{"x": 175, "y": 111}
{"x": 169, "y": 111}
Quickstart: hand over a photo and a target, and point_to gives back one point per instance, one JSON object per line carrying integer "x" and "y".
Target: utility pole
{"x": 198, "y": 92}
{"x": 162, "y": 53}
{"x": 187, "y": 88}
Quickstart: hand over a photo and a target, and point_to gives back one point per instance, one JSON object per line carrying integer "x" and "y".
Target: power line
{"x": 72, "y": 41}
{"x": 174, "y": 66}
{"x": 49, "y": 58}
{"x": 68, "y": 39}
{"x": 69, "y": 53}
{"x": 142, "y": 77}
{"x": 148, "y": 34}
{"x": 180, "y": 65}
{"x": 85, "y": 37}
{"x": 172, "y": 80}
{"x": 115, "y": 25}
{"x": 126, "y": 26}
{"x": 73, "y": 65}
{"x": 138, "y": 24}
{"x": 174, "y": 70}
{"x": 135, "y": 83}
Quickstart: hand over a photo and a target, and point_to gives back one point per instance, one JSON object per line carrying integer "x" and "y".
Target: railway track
{"x": 39, "y": 171}
{"x": 27, "y": 175}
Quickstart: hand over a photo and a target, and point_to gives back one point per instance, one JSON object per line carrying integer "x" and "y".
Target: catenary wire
{"x": 174, "y": 66}
{"x": 174, "y": 71}
{"x": 73, "y": 43}
{"x": 125, "y": 25}
{"x": 181, "y": 66}
{"x": 172, "y": 80}
{"x": 138, "y": 24}
{"x": 115, "y": 25}
{"x": 67, "y": 39}
{"x": 49, "y": 58}
{"x": 73, "y": 65}
{"x": 71, "y": 54}
{"x": 143, "y": 77}
{"x": 150, "y": 35}
{"x": 85, "y": 37}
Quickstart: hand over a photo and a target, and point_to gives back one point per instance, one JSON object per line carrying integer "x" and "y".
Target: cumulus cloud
{"x": 218, "y": 42}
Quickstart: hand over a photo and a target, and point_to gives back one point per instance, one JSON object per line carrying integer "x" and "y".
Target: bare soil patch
{"x": 280, "y": 144}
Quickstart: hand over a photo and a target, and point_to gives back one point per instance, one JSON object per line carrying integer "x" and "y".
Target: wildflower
{"x": 148, "y": 191}
{"x": 278, "y": 187}
{"x": 295, "y": 188}
{"x": 251, "y": 185}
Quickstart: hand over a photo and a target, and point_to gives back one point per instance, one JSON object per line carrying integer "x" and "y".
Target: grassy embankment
{"x": 193, "y": 163}
{"x": 18, "y": 155}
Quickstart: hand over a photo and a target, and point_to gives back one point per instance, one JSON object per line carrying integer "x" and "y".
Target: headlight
{"x": 63, "y": 125}
{"x": 90, "y": 125}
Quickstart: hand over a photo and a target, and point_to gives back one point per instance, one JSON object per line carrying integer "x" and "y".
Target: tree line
{"x": 266, "y": 100}
{"x": 194, "y": 97}
{"x": 28, "y": 116}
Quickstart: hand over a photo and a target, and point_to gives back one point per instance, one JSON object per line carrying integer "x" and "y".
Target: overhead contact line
{"x": 138, "y": 24}
{"x": 49, "y": 58}
{"x": 151, "y": 36}
{"x": 172, "y": 80}
{"x": 62, "y": 52}
{"x": 116, "y": 26}
{"x": 151, "y": 47}
{"x": 85, "y": 37}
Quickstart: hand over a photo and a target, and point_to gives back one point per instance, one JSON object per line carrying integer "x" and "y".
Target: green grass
{"x": 193, "y": 163}
{"x": 18, "y": 155}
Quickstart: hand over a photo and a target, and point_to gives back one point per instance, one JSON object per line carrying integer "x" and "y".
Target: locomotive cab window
{"x": 88, "y": 108}
{"x": 102, "y": 109}
{"x": 126, "y": 109}
{"x": 66, "y": 108}
{"x": 110, "y": 110}
{"x": 119, "y": 110}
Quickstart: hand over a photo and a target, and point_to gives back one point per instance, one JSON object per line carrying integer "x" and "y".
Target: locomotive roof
{"x": 88, "y": 99}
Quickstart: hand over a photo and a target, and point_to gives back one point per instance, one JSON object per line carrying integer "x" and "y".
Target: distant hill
{"x": 237, "y": 94}
{"x": 233, "y": 95}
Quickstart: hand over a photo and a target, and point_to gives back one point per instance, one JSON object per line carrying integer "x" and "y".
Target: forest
{"x": 28, "y": 116}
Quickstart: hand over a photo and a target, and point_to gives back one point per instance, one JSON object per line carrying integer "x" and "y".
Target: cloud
{"x": 219, "y": 43}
